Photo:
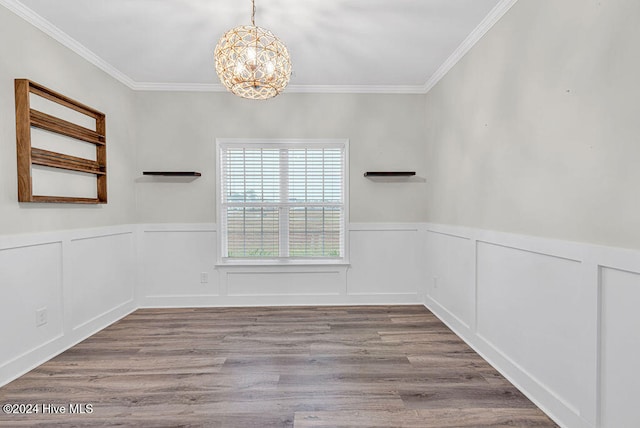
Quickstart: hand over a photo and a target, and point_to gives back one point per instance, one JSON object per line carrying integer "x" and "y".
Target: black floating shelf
{"x": 173, "y": 173}
{"x": 389, "y": 173}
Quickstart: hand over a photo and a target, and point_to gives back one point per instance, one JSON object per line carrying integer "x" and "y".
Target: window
{"x": 282, "y": 200}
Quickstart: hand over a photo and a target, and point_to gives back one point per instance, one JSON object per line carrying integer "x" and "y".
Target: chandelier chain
{"x": 253, "y": 12}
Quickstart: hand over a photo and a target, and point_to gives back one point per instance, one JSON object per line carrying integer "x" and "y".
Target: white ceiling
{"x": 335, "y": 45}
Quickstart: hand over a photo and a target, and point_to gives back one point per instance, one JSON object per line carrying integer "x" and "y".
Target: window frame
{"x": 279, "y": 261}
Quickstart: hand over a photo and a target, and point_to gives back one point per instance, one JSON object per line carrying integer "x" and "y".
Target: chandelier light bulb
{"x": 270, "y": 68}
{"x": 251, "y": 54}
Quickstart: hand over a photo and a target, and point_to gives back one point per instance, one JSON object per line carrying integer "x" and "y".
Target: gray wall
{"x": 177, "y": 131}
{"x": 25, "y": 52}
{"x": 535, "y": 130}
{"x": 160, "y": 131}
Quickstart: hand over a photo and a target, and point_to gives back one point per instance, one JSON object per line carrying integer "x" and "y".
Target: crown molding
{"x": 178, "y": 87}
{"x": 60, "y": 36}
{"x": 57, "y": 34}
{"x": 356, "y": 89}
{"x": 300, "y": 89}
{"x": 474, "y": 37}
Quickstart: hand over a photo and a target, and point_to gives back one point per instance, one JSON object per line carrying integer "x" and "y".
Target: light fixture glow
{"x": 251, "y": 62}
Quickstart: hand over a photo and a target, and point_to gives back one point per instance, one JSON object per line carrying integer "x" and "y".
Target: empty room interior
{"x": 356, "y": 213}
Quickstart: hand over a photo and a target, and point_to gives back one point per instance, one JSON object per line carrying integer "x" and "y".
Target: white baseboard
{"x": 279, "y": 300}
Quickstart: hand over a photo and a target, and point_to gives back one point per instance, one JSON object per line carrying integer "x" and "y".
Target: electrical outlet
{"x": 41, "y": 317}
{"x": 435, "y": 282}
{"x": 204, "y": 277}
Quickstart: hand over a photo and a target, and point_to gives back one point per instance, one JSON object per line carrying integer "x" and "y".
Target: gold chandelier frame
{"x": 252, "y": 62}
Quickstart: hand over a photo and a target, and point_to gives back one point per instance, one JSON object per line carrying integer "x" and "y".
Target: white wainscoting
{"x": 384, "y": 269}
{"x": 88, "y": 279}
{"x": 559, "y": 319}
{"x": 83, "y": 278}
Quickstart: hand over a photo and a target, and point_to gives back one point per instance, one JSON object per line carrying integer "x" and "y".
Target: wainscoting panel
{"x": 82, "y": 279}
{"x": 620, "y": 348}
{"x": 530, "y": 307}
{"x": 173, "y": 260}
{"x": 102, "y": 275}
{"x": 279, "y": 282}
{"x": 451, "y": 285}
{"x": 385, "y": 261}
{"x": 31, "y": 279}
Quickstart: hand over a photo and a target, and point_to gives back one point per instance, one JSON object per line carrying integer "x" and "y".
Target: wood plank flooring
{"x": 373, "y": 366}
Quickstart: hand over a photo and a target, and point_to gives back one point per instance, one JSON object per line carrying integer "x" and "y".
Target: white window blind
{"x": 282, "y": 200}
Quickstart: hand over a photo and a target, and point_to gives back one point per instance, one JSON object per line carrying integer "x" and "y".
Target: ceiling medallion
{"x": 251, "y": 62}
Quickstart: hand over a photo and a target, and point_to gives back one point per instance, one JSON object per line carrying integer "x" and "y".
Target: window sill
{"x": 281, "y": 263}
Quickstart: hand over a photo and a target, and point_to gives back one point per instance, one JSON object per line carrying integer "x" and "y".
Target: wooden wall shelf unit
{"x": 389, "y": 173}
{"x": 26, "y": 118}
{"x": 173, "y": 173}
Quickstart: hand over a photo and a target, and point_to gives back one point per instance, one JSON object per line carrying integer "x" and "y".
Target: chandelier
{"x": 251, "y": 62}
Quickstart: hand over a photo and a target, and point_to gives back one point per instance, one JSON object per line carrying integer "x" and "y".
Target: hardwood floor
{"x": 375, "y": 366}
